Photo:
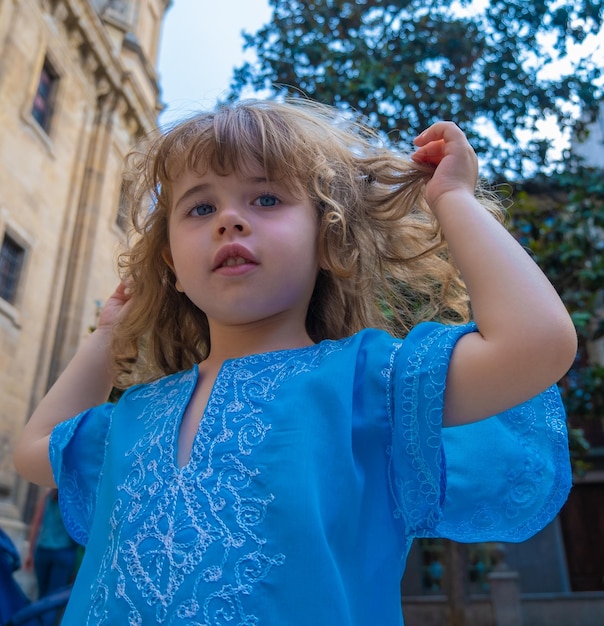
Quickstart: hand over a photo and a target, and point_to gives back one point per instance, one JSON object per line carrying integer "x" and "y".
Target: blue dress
{"x": 312, "y": 471}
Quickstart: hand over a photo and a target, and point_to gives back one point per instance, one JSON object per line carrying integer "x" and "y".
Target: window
{"x": 12, "y": 256}
{"x": 44, "y": 99}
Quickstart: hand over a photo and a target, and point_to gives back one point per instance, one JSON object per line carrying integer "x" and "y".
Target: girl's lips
{"x": 233, "y": 258}
{"x": 235, "y": 270}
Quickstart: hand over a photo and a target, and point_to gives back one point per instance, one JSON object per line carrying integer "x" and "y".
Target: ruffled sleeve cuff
{"x": 500, "y": 479}
{"x": 77, "y": 453}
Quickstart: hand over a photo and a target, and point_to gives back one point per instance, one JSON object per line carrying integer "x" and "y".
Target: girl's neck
{"x": 234, "y": 342}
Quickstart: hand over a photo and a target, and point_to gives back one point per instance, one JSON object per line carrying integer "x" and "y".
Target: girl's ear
{"x": 167, "y": 257}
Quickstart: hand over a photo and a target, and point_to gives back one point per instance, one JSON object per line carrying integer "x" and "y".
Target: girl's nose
{"x": 231, "y": 221}
{"x": 223, "y": 229}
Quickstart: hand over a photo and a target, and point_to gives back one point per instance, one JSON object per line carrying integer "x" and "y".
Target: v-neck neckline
{"x": 236, "y": 362}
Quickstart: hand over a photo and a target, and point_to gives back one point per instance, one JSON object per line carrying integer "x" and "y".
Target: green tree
{"x": 405, "y": 63}
{"x": 560, "y": 220}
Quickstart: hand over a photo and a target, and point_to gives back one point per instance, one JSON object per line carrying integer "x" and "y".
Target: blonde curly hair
{"x": 385, "y": 262}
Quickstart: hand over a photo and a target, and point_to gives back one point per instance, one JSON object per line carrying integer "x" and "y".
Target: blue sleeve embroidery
{"x": 501, "y": 479}
{"x": 77, "y": 454}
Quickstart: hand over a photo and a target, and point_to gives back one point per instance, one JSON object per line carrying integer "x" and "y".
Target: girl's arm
{"x": 86, "y": 382}
{"x": 526, "y": 340}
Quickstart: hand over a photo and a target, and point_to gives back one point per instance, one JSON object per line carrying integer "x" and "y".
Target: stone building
{"x": 78, "y": 86}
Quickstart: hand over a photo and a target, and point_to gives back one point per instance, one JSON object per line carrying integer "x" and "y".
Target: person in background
{"x": 52, "y": 553}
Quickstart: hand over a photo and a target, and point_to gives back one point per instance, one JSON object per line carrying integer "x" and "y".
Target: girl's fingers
{"x": 445, "y": 131}
{"x": 441, "y": 140}
{"x": 432, "y": 143}
{"x": 432, "y": 152}
{"x": 444, "y": 147}
{"x": 124, "y": 290}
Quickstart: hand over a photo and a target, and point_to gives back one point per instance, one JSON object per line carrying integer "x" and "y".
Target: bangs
{"x": 238, "y": 139}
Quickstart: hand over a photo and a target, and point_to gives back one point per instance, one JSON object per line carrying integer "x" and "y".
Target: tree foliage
{"x": 404, "y": 64}
{"x": 489, "y": 66}
{"x": 560, "y": 220}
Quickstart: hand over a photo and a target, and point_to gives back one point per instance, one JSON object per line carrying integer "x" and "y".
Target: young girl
{"x": 284, "y": 446}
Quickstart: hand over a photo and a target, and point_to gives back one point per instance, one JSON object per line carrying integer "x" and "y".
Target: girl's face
{"x": 244, "y": 250}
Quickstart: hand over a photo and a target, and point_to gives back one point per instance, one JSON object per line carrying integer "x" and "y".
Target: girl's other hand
{"x": 444, "y": 146}
{"x": 114, "y": 307}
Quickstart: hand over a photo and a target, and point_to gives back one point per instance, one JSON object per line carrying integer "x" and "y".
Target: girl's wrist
{"x": 97, "y": 348}
{"x": 451, "y": 199}
{"x": 103, "y": 333}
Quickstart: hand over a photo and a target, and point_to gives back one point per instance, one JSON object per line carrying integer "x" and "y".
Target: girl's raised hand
{"x": 525, "y": 340}
{"x": 444, "y": 146}
{"x": 112, "y": 309}
{"x": 85, "y": 382}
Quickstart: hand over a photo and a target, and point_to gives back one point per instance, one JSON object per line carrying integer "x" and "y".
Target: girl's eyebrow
{"x": 257, "y": 180}
{"x": 191, "y": 192}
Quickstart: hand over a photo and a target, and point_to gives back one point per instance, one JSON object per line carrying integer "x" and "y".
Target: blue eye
{"x": 267, "y": 200}
{"x": 202, "y": 209}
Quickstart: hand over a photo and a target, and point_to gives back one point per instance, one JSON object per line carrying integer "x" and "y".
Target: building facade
{"x": 78, "y": 87}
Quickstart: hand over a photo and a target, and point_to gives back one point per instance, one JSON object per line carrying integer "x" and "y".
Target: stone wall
{"x": 61, "y": 182}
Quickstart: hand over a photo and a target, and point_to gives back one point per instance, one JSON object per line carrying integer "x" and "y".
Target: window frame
{"x": 11, "y": 308}
{"x": 14, "y": 267}
{"x": 44, "y": 119}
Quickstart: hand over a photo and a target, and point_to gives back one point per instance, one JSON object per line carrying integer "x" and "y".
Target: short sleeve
{"x": 77, "y": 453}
{"x": 501, "y": 479}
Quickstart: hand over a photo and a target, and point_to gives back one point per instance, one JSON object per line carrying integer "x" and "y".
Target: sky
{"x": 201, "y": 44}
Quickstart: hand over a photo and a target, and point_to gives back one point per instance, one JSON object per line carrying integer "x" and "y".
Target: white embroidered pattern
{"x": 189, "y": 542}
{"x": 191, "y": 546}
